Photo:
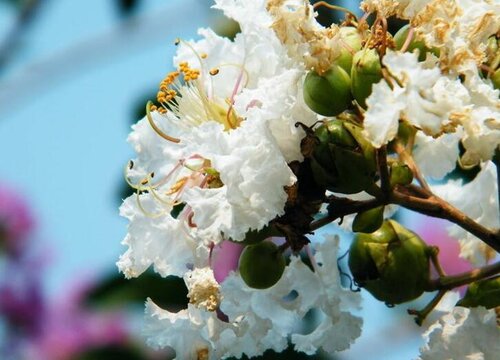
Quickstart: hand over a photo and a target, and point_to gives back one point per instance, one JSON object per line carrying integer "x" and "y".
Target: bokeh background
{"x": 74, "y": 75}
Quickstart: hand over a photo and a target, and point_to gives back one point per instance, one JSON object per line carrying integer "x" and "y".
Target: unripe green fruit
{"x": 400, "y": 174}
{"x": 261, "y": 265}
{"x": 350, "y": 44}
{"x": 400, "y": 39}
{"x": 366, "y": 70}
{"x": 328, "y": 94}
{"x": 343, "y": 161}
{"x": 482, "y": 293}
{"x": 368, "y": 221}
{"x": 392, "y": 263}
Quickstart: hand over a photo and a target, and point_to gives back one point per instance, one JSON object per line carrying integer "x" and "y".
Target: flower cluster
{"x": 252, "y": 140}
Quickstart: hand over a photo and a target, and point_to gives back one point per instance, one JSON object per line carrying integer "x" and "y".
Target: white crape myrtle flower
{"x": 463, "y": 334}
{"x": 436, "y": 157}
{"x": 478, "y": 199}
{"x": 161, "y": 241}
{"x": 297, "y": 292}
{"x": 481, "y": 124}
{"x": 404, "y": 9}
{"x": 437, "y": 104}
{"x": 427, "y": 99}
{"x": 258, "y": 320}
{"x": 459, "y": 29}
{"x": 203, "y": 289}
{"x": 282, "y": 111}
{"x": 305, "y": 39}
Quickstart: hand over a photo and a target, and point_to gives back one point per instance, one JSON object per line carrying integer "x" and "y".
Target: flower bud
{"x": 392, "y": 263}
{"x": 350, "y": 44}
{"x": 328, "y": 94}
{"x": 482, "y": 293}
{"x": 368, "y": 221}
{"x": 343, "y": 161}
{"x": 366, "y": 70}
{"x": 400, "y": 39}
{"x": 261, "y": 265}
{"x": 400, "y": 174}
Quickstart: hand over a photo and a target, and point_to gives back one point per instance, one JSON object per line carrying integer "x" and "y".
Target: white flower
{"x": 188, "y": 331}
{"x": 297, "y": 292}
{"x": 305, "y": 39}
{"x": 436, "y": 157}
{"x": 403, "y": 9}
{"x": 477, "y": 199}
{"x": 428, "y": 100}
{"x": 459, "y": 29}
{"x": 254, "y": 175}
{"x": 282, "y": 111}
{"x": 161, "y": 241}
{"x": 203, "y": 289}
{"x": 463, "y": 334}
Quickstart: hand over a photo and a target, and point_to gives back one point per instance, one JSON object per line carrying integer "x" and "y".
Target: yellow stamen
{"x": 156, "y": 128}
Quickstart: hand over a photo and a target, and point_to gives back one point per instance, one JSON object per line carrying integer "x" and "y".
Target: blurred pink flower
{"x": 16, "y": 222}
{"x": 69, "y": 328}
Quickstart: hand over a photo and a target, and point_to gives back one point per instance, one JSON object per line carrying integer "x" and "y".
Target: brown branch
{"x": 453, "y": 281}
{"x": 408, "y": 160}
{"x": 437, "y": 207}
{"x": 342, "y": 207}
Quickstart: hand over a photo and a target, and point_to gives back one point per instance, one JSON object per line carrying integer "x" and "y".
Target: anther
{"x": 214, "y": 71}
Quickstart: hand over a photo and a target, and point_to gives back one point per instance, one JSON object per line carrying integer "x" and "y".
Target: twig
{"x": 408, "y": 160}
{"x": 453, "y": 281}
{"x": 383, "y": 170}
{"x": 343, "y": 207}
{"x": 437, "y": 207}
{"x": 420, "y": 315}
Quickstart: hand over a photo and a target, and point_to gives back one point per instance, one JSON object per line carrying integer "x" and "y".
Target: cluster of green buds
{"x": 392, "y": 263}
{"x": 350, "y": 77}
{"x": 343, "y": 160}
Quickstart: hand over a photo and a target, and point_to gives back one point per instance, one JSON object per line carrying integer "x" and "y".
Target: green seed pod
{"x": 482, "y": 293}
{"x": 366, "y": 70}
{"x": 328, "y": 94}
{"x": 392, "y": 263}
{"x": 350, "y": 44}
{"x": 368, "y": 221}
{"x": 400, "y": 174}
{"x": 261, "y": 265}
{"x": 400, "y": 39}
{"x": 343, "y": 161}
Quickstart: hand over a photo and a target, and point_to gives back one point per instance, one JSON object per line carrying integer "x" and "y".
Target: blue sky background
{"x": 66, "y": 101}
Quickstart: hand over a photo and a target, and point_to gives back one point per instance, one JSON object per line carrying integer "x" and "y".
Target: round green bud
{"x": 400, "y": 174}
{"x": 368, "y": 221}
{"x": 261, "y": 265}
{"x": 482, "y": 293}
{"x": 350, "y": 44}
{"x": 366, "y": 70}
{"x": 328, "y": 94}
{"x": 419, "y": 45}
{"x": 343, "y": 161}
{"x": 392, "y": 263}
